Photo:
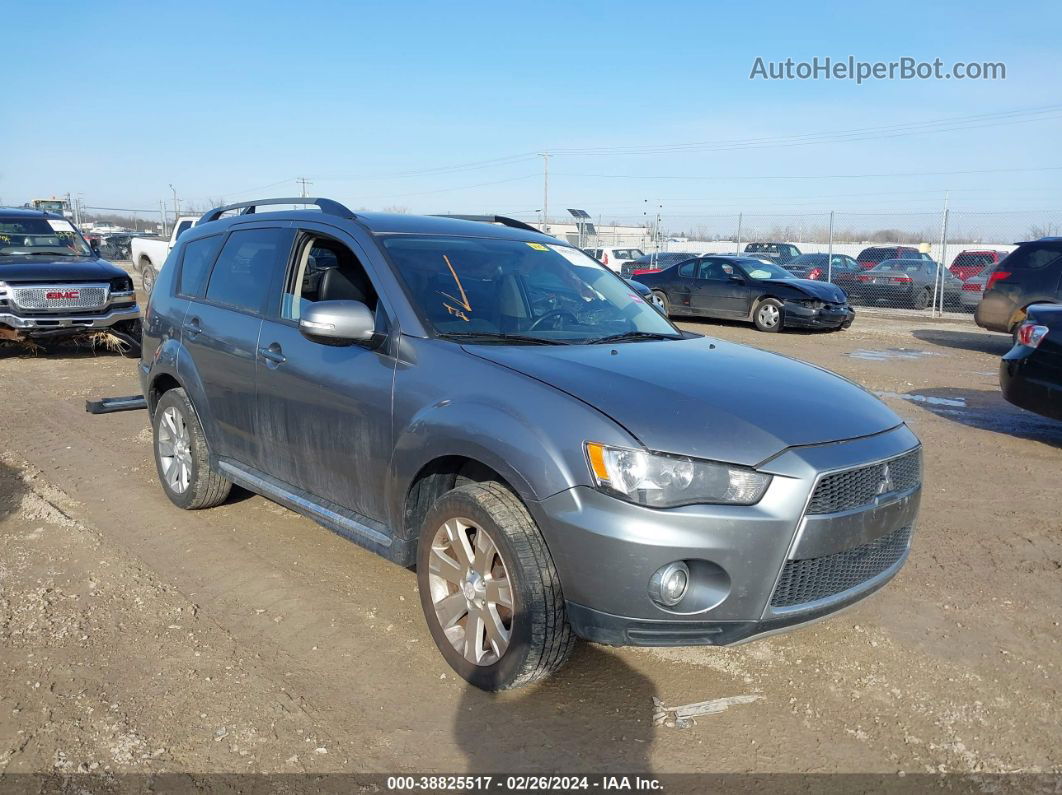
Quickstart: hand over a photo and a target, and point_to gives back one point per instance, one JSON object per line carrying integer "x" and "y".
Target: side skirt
{"x": 341, "y": 521}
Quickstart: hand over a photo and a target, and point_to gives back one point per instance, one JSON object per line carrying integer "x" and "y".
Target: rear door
{"x": 220, "y": 333}
{"x": 326, "y": 409}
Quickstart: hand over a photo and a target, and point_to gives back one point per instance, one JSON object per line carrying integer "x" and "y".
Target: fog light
{"x": 669, "y": 584}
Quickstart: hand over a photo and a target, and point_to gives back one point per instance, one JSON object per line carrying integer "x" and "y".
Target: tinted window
{"x": 241, "y": 276}
{"x": 717, "y": 270}
{"x": 195, "y": 265}
{"x": 183, "y": 227}
{"x": 1033, "y": 257}
{"x": 686, "y": 269}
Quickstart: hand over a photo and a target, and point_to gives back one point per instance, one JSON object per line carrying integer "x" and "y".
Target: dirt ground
{"x": 135, "y": 637}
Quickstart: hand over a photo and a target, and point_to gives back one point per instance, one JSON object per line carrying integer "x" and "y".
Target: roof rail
{"x": 494, "y": 219}
{"x": 327, "y": 206}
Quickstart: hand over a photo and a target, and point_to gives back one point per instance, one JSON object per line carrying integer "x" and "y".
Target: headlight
{"x": 665, "y": 481}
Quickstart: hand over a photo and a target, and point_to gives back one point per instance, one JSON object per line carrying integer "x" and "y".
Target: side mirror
{"x": 95, "y": 249}
{"x": 342, "y": 322}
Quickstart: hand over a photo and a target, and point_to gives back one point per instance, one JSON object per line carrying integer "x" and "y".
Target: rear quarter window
{"x": 1034, "y": 257}
{"x": 196, "y": 259}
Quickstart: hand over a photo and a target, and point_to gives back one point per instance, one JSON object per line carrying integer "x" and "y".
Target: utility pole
{"x": 304, "y": 182}
{"x": 938, "y": 292}
{"x": 162, "y": 214}
{"x": 829, "y": 252}
{"x": 176, "y": 205}
{"x": 545, "y": 192}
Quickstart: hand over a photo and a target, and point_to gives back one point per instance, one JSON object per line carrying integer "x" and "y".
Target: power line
{"x": 743, "y": 177}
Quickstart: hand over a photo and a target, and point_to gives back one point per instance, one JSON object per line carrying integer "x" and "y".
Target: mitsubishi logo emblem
{"x": 886, "y": 484}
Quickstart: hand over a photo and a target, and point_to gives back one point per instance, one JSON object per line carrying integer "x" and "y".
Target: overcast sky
{"x": 402, "y": 103}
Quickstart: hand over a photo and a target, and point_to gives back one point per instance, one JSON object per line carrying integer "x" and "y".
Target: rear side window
{"x": 242, "y": 274}
{"x": 1033, "y": 257}
{"x": 195, "y": 265}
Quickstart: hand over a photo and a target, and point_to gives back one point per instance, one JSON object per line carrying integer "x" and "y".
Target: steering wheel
{"x": 555, "y": 315}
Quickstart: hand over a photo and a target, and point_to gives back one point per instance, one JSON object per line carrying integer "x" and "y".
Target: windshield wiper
{"x": 633, "y": 335}
{"x": 49, "y": 254}
{"x": 498, "y": 335}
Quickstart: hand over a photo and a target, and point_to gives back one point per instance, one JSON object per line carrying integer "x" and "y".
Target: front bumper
{"x": 829, "y": 316}
{"x": 49, "y": 325}
{"x": 606, "y": 551}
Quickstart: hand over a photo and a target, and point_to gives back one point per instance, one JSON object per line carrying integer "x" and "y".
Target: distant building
{"x": 598, "y": 235}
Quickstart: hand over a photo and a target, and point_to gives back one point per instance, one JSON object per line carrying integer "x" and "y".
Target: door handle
{"x": 273, "y": 355}
{"x": 192, "y": 327}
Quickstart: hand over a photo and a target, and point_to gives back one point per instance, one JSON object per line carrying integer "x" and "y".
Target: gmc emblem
{"x": 63, "y": 295}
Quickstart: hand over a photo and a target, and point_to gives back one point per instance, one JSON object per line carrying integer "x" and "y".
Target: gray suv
{"x": 500, "y": 410}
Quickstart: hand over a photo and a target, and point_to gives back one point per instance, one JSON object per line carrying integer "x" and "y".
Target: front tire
{"x": 659, "y": 300}
{"x": 768, "y": 315}
{"x": 181, "y": 455}
{"x": 489, "y": 590}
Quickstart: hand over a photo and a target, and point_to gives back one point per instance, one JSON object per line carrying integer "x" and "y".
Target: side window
{"x": 195, "y": 265}
{"x": 241, "y": 275}
{"x": 687, "y": 269}
{"x": 716, "y": 270}
{"x": 182, "y": 227}
{"x": 325, "y": 270}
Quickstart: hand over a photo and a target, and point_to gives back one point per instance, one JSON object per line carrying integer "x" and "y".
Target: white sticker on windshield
{"x": 574, "y": 256}
{"x": 60, "y": 226}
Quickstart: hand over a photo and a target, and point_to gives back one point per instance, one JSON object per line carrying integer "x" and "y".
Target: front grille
{"x": 59, "y": 297}
{"x": 804, "y": 581}
{"x": 842, "y": 491}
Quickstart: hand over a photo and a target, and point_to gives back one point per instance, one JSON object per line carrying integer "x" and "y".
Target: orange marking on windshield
{"x": 464, "y": 298}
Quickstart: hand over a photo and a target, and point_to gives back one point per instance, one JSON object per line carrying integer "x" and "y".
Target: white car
{"x": 614, "y": 257}
{"x": 148, "y": 253}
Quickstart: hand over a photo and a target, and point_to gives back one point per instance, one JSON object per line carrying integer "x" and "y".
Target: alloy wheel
{"x": 471, "y": 591}
{"x": 769, "y": 315}
{"x": 174, "y": 450}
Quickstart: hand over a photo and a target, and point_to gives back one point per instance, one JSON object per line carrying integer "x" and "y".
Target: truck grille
{"x": 59, "y": 297}
{"x": 853, "y": 488}
{"x": 804, "y": 581}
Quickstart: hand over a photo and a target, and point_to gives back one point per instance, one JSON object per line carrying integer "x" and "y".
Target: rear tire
{"x": 768, "y": 315}
{"x": 147, "y": 276}
{"x": 922, "y": 299}
{"x": 182, "y": 459}
{"x": 483, "y": 568}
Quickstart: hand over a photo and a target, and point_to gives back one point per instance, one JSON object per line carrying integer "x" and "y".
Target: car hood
{"x": 824, "y": 291}
{"x": 54, "y": 269}
{"x": 704, "y": 398}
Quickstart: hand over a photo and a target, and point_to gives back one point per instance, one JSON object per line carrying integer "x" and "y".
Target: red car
{"x": 973, "y": 261}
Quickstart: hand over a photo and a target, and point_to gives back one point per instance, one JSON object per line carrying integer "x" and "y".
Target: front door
{"x": 325, "y": 409}
{"x": 721, "y": 290}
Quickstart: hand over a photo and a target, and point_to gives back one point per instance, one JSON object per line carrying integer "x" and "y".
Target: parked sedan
{"x": 1030, "y": 374}
{"x": 842, "y": 272}
{"x": 905, "y": 282}
{"x": 740, "y": 288}
{"x": 647, "y": 263}
{"x": 972, "y": 291}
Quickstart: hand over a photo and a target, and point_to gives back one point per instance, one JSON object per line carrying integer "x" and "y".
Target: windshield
{"x": 24, "y": 236}
{"x": 763, "y": 270}
{"x": 487, "y": 288}
{"x": 808, "y": 259}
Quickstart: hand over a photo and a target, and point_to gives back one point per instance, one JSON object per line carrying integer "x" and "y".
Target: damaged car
{"x": 54, "y": 285}
{"x": 503, "y": 412}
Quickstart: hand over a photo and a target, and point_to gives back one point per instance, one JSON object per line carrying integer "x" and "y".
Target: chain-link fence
{"x": 928, "y": 264}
